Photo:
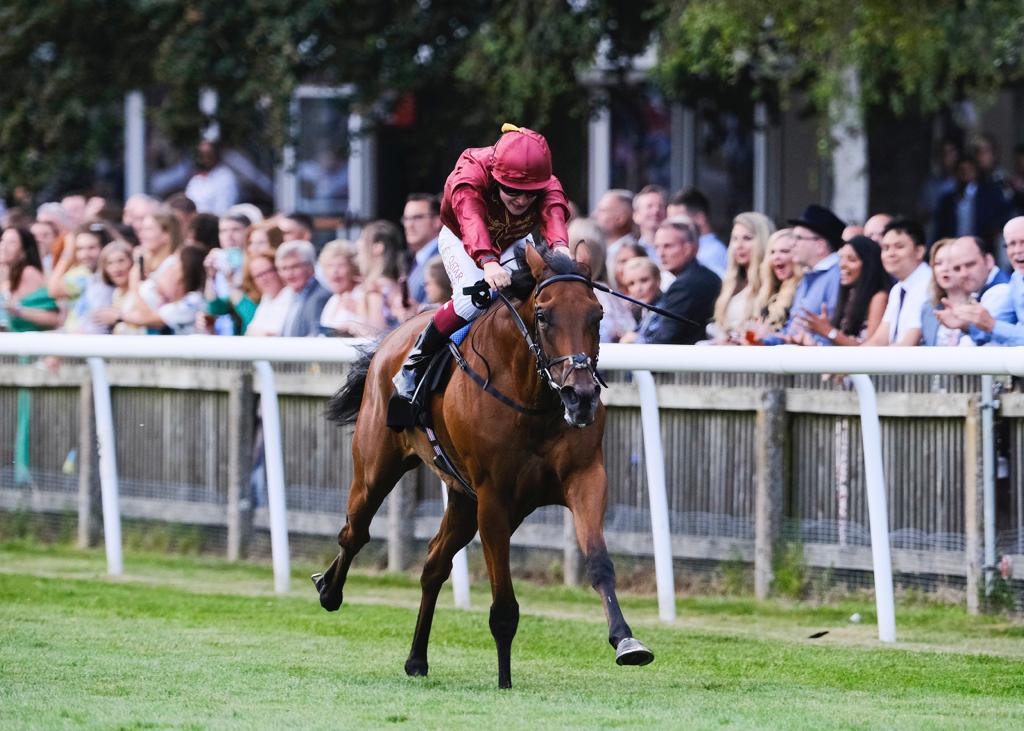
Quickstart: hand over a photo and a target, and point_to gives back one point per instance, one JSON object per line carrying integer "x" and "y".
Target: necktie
{"x": 896, "y": 325}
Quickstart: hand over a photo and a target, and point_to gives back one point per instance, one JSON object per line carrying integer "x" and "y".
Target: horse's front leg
{"x": 495, "y": 523}
{"x": 586, "y": 496}
{"x": 457, "y": 529}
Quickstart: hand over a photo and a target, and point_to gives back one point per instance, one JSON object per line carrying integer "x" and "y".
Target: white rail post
{"x": 460, "y": 566}
{"x": 275, "y": 477}
{"x": 878, "y": 510}
{"x": 988, "y": 483}
{"x": 108, "y": 466}
{"x": 655, "y": 461}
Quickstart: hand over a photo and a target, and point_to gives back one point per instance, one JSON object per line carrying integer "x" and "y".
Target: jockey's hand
{"x": 496, "y": 276}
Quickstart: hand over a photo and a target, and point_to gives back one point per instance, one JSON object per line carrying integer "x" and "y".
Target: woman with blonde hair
{"x": 780, "y": 276}
{"x": 341, "y": 315}
{"x": 587, "y": 244}
{"x": 736, "y": 305}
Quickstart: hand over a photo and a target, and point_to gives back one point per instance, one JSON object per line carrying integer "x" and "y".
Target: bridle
{"x": 576, "y": 361}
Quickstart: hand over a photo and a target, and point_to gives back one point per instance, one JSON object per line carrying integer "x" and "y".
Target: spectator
{"x": 380, "y": 257}
{"x": 295, "y": 261}
{"x": 944, "y": 287}
{"x": 182, "y": 207}
{"x": 626, "y": 252}
{"x": 54, "y": 214}
{"x": 250, "y": 211}
{"x": 976, "y": 207}
{"x": 1017, "y": 179}
{"x": 73, "y": 204}
{"x": 23, "y": 295}
{"x": 586, "y": 242}
{"x": 1006, "y": 326}
{"x": 874, "y": 227}
{"x": 263, "y": 238}
{"x": 693, "y": 292}
{"x": 614, "y": 216}
{"x": 181, "y": 287}
{"x": 230, "y": 300}
{"x": 817, "y": 236}
{"x": 136, "y": 208}
{"x": 204, "y": 230}
{"x": 692, "y": 203}
{"x": 214, "y": 187}
{"x": 115, "y": 267}
{"x": 421, "y": 220}
{"x": 903, "y": 250}
{"x": 735, "y": 307}
{"x": 975, "y": 272}
{"x": 941, "y": 181}
{"x": 296, "y": 227}
{"x": 342, "y": 315}
{"x": 649, "y": 210}
{"x": 439, "y": 286}
{"x": 851, "y": 230}
{"x": 159, "y": 239}
{"x": 780, "y": 276}
{"x": 46, "y": 233}
{"x": 642, "y": 281}
{"x": 263, "y": 282}
{"x": 863, "y": 295}
{"x": 77, "y": 281}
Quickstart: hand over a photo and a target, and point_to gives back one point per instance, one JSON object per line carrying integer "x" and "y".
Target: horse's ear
{"x": 584, "y": 268}
{"x": 536, "y": 262}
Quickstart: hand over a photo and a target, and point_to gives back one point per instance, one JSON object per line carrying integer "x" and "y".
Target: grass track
{"x": 199, "y": 643}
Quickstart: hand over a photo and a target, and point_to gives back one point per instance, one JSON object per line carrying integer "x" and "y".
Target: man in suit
{"x": 693, "y": 291}
{"x": 1004, "y": 326}
{"x": 422, "y": 222}
{"x": 296, "y": 262}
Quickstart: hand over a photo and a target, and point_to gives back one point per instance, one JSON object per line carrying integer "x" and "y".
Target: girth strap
{"x": 444, "y": 464}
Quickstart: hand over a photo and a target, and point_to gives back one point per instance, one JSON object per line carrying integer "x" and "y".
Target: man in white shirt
{"x": 214, "y": 188}
{"x": 903, "y": 251}
{"x": 649, "y": 211}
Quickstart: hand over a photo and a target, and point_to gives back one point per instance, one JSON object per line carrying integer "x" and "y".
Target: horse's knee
{"x": 600, "y": 570}
{"x": 504, "y": 620}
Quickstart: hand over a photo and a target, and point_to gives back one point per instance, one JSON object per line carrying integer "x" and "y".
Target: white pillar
{"x": 460, "y": 566}
{"x": 108, "y": 466}
{"x": 878, "y": 509}
{"x": 599, "y": 155}
{"x": 362, "y": 169}
{"x": 134, "y": 143}
{"x": 274, "y": 459}
{"x": 849, "y": 151}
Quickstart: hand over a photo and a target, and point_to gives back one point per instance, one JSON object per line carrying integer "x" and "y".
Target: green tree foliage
{"x": 915, "y": 55}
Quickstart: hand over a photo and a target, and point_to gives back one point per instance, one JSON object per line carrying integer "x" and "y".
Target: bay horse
{"x": 515, "y": 458}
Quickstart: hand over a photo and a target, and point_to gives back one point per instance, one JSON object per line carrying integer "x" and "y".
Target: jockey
{"x": 493, "y": 199}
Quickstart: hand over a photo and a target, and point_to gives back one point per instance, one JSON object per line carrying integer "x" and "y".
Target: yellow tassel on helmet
{"x": 509, "y": 127}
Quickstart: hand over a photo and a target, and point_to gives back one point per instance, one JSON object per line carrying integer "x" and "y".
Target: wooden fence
{"x": 186, "y": 436}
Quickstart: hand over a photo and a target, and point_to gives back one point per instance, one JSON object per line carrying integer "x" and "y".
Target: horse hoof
{"x": 416, "y": 668}
{"x": 632, "y": 652}
{"x": 327, "y": 602}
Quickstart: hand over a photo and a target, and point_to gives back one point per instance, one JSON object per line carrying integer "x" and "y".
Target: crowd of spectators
{"x": 84, "y": 265}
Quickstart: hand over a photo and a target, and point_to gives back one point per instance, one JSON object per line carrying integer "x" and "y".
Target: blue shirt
{"x": 1009, "y": 327}
{"x": 819, "y": 286}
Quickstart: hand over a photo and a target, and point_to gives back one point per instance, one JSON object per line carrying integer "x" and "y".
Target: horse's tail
{"x": 344, "y": 405}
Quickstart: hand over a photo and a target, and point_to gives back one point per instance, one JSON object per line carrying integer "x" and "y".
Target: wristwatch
{"x": 832, "y": 334}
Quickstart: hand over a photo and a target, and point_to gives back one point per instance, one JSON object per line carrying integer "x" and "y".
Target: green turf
{"x": 199, "y": 643}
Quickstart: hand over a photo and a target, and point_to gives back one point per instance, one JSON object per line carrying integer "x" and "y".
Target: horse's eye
{"x": 542, "y": 319}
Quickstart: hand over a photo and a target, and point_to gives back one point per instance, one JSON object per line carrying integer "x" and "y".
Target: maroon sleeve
{"x": 554, "y": 210}
{"x": 471, "y": 212}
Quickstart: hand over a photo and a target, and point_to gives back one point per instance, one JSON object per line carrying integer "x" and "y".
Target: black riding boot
{"x": 401, "y": 409}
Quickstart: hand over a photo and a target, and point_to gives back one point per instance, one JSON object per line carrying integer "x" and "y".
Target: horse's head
{"x": 566, "y": 316}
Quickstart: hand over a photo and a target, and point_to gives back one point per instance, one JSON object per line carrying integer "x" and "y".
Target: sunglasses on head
{"x": 516, "y": 192}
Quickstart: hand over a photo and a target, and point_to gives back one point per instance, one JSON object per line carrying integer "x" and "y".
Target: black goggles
{"x": 516, "y": 192}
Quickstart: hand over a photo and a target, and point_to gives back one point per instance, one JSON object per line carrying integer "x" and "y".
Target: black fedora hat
{"x": 823, "y": 222}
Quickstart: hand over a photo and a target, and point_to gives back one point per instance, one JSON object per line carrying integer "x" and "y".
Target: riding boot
{"x": 401, "y": 409}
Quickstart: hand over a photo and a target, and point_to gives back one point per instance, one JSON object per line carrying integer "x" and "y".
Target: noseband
{"x": 577, "y": 361}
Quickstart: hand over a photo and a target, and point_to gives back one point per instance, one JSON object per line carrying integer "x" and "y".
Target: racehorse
{"x": 533, "y": 439}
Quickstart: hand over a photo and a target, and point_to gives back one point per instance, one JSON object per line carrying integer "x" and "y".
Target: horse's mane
{"x": 523, "y": 281}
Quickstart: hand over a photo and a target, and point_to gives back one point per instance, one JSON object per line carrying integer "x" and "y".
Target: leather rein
{"x": 543, "y": 363}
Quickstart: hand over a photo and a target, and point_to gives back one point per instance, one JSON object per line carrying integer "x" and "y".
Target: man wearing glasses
{"x": 817, "y": 236}
{"x": 493, "y": 199}
{"x": 421, "y": 220}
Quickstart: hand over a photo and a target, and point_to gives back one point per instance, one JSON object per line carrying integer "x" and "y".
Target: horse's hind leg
{"x": 371, "y": 484}
{"x": 586, "y": 495}
{"x": 457, "y": 529}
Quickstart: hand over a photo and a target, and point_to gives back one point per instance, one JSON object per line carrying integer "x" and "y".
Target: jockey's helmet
{"x": 522, "y": 159}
